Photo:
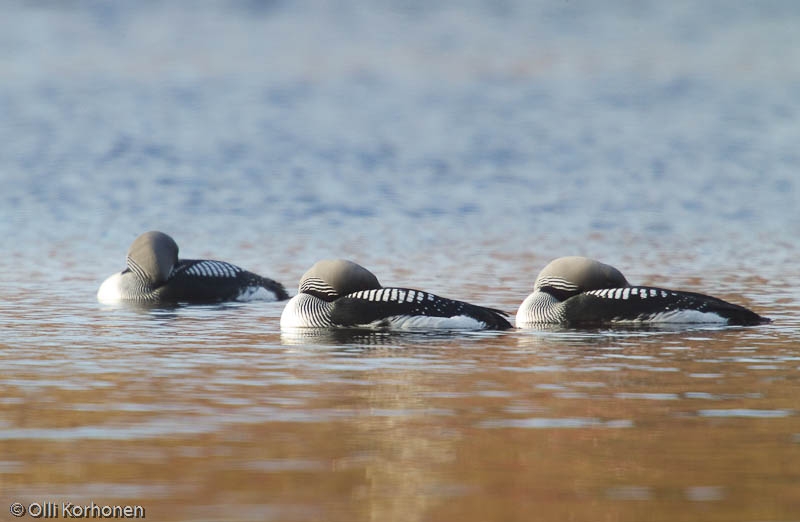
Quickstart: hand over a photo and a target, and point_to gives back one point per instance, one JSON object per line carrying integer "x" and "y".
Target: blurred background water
{"x": 455, "y": 147}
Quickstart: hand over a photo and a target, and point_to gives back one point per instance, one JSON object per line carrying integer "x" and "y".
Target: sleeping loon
{"x": 340, "y": 293}
{"x": 581, "y": 291}
{"x": 156, "y": 275}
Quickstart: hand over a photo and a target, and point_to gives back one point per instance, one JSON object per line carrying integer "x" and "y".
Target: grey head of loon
{"x": 152, "y": 256}
{"x": 330, "y": 279}
{"x": 571, "y": 275}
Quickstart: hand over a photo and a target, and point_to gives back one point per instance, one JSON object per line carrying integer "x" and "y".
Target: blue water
{"x": 455, "y": 147}
{"x": 399, "y": 126}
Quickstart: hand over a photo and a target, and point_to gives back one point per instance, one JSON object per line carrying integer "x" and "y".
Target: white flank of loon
{"x": 581, "y": 291}
{"x": 340, "y": 293}
{"x": 154, "y": 274}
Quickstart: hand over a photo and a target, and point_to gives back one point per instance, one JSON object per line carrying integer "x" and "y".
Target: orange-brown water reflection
{"x": 168, "y": 410}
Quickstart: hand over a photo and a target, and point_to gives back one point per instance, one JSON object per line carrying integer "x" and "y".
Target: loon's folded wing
{"x": 383, "y": 304}
{"x": 654, "y": 305}
{"x": 206, "y": 280}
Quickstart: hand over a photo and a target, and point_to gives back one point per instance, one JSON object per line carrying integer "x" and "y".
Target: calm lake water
{"x": 455, "y": 148}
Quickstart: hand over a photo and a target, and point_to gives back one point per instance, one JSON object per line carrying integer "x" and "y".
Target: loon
{"x": 341, "y": 293}
{"x": 577, "y": 291}
{"x": 155, "y": 275}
